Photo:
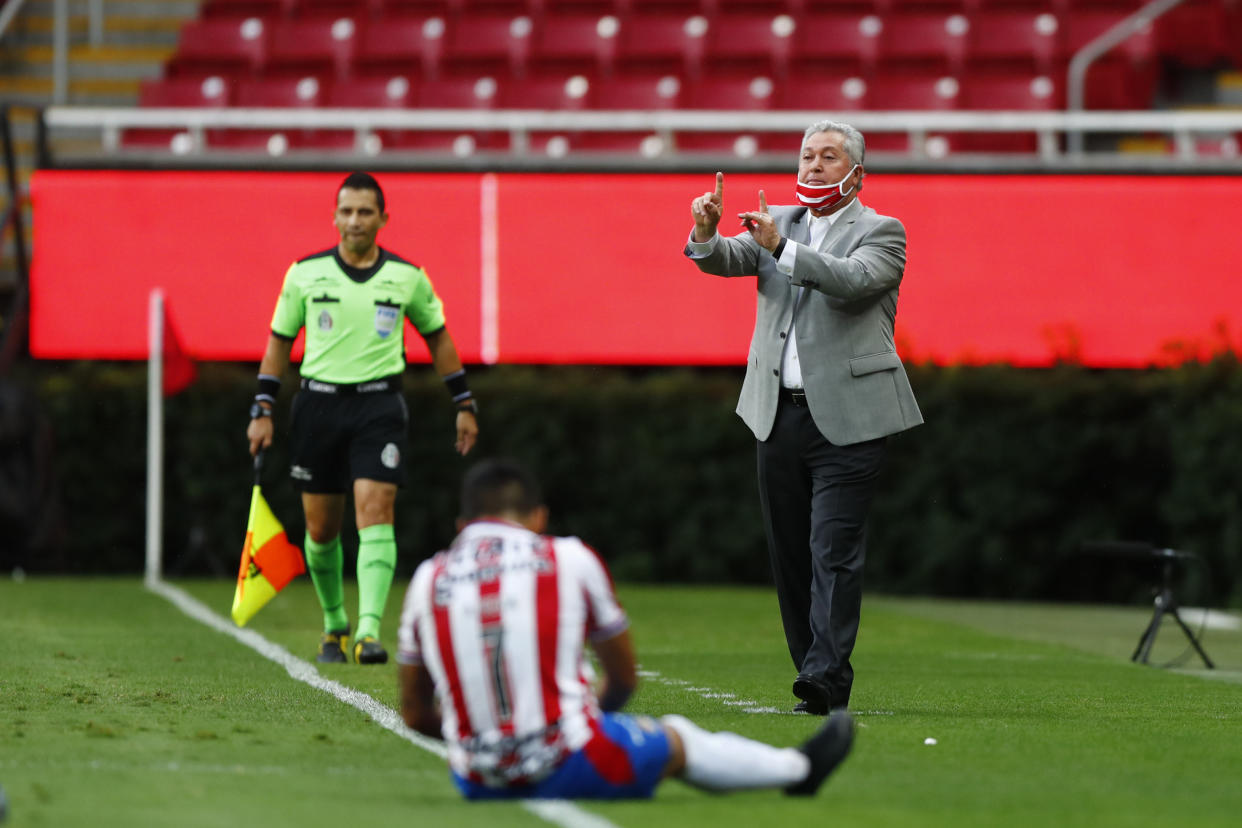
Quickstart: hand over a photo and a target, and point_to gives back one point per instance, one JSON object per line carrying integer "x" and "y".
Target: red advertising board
{"x": 1116, "y": 271}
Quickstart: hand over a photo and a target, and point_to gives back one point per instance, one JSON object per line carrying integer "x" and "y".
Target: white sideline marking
{"x": 559, "y": 812}
{"x": 732, "y": 700}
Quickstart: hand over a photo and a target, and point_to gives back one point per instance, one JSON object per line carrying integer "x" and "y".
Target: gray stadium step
{"x": 117, "y": 31}
{"x": 89, "y": 62}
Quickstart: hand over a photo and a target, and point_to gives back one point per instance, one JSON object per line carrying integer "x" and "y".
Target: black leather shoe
{"x": 818, "y": 693}
{"x": 826, "y": 749}
{"x": 811, "y": 708}
{"x": 812, "y": 689}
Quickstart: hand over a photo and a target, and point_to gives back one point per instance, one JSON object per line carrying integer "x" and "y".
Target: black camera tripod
{"x": 1166, "y": 604}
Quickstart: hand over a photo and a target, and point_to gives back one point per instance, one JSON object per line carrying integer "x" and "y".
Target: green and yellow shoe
{"x": 333, "y": 646}
{"x": 368, "y": 650}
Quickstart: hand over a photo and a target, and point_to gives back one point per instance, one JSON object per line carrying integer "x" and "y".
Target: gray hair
{"x": 855, "y": 147}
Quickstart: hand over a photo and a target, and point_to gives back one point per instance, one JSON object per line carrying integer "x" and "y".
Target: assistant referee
{"x": 349, "y": 421}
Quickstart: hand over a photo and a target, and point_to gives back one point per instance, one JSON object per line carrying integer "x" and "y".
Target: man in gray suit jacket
{"x": 824, "y": 388}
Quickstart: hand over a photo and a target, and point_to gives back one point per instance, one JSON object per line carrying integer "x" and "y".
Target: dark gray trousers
{"x": 815, "y": 498}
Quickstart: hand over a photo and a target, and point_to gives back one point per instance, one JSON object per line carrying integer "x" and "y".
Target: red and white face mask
{"x": 823, "y": 196}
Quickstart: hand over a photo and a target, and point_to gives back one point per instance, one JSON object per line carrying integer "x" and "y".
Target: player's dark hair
{"x": 497, "y": 487}
{"x": 363, "y": 181}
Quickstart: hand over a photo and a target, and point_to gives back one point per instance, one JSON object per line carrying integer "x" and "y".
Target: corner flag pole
{"x": 155, "y": 437}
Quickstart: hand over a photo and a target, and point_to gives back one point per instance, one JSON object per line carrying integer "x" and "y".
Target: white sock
{"x": 729, "y": 762}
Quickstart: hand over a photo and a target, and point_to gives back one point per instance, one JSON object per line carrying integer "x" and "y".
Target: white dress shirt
{"x": 791, "y": 372}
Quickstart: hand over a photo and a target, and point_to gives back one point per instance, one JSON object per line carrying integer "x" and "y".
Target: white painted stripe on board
{"x": 557, "y": 812}
{"x": 489, "y": 267}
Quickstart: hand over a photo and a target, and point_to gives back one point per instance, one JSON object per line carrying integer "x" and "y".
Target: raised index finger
{"x": 763, "y": 203}
{"x": 720, "y": 185}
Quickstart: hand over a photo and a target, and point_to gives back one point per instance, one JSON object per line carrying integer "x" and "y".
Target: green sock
{"x": 325, "y": 561}
{"x": 377, "y": 558}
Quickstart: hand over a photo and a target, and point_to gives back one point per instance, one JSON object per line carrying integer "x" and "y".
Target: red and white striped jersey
{"x": 500, "y": 620}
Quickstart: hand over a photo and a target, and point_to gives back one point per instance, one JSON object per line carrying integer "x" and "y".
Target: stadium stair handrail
{"x": 1076, "y": 74}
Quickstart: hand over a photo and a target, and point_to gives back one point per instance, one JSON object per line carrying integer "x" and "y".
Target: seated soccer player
{"x": 491, "y": 653}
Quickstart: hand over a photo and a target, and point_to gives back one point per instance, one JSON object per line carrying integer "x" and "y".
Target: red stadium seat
{"x": 925, "y": 41}
{"x": 1014, "y": 40}
{"x": 512, "y": 8}
{"x": 1123, "y": 78}
{"x": 220, "y": 46}
{"x": 295, "y": 93}
{"x": 1082, "y": 27}
{"x": 738, "y": 92}
{"x": 1201, "y": 33}
{"x": 1019, "y": 92}
{"x": 1118, "y": 84}
{"x": 735, "y": 144}
{"x": 459, "y": 92}
{"x": 575, "y": 43}
{"x": 827, "y": 94}
{"x": 836, "y": 44}
{"x": 305, "y": 92}
{"x": 642, "y": 144}
{"x": 598, "y": 8}
{"x": 905, "y": 91}
{"x": 548, "y": 92}
{"x": 1022, "y": 92}
{"x": 921, "y": 6}
{"x": 859, "y": 7}
{"x": 634, "y": 91}
{"x": 494, "y": 44}
{"x": 397, "y": 92}
{"x": 445, "y": 142}
{"x": 669, "y": 43}
{"x": 402, "y": 92}
{"x": 315, "y": 46}
{"x": 770, "y": 8}
{"x": 399, "y": 46}
{"x": 210, "y": 91}
{"x": 746, "y": 42}
{"x": 682, "y": 8}
{"x": 417, "y": 8}
{"x": 333, "y": 9}
{"x": 241, "y": 9}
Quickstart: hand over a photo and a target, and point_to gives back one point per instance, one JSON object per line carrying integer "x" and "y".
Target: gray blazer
{"x": 856, "y": 386}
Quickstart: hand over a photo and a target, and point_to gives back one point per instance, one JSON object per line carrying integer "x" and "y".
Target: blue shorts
{"x": 625, "y": 760}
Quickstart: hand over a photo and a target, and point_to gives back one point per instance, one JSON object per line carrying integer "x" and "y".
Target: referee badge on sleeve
{"x": 386, "y": 317}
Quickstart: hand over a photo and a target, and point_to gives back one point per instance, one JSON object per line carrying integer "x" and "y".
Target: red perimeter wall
{"x": 1107, "y": 270}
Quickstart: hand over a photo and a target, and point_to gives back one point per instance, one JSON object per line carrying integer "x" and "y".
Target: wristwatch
{"x": 258, "y": 409}
{"x": 468, "y": 405}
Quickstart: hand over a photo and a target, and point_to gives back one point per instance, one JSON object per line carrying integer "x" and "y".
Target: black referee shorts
{"x": 335, "y": 439}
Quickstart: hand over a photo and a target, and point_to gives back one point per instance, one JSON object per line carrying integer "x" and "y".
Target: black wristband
{"x": 780, "y": 248}
{"x": 458, "y": 388}
{"x": 269, "y": 387}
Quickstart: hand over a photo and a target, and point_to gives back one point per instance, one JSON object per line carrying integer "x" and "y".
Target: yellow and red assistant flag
{"x": 268, "y": 561}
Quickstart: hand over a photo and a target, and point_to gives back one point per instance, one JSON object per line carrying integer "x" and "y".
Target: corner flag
{"x": 179, "y": 370}
{"x": 268, "y": 561}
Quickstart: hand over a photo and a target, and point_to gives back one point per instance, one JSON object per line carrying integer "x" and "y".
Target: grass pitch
{"x": 116, "y": 709}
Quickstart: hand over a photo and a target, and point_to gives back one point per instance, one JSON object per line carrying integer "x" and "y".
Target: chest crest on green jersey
{"x": 387, "y": 315}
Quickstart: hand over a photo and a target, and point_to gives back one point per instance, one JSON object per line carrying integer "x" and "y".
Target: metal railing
{"x": 929, "y": 148}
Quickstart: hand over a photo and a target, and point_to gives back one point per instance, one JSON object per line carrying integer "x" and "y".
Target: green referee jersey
{"x": 354, "y": 318}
